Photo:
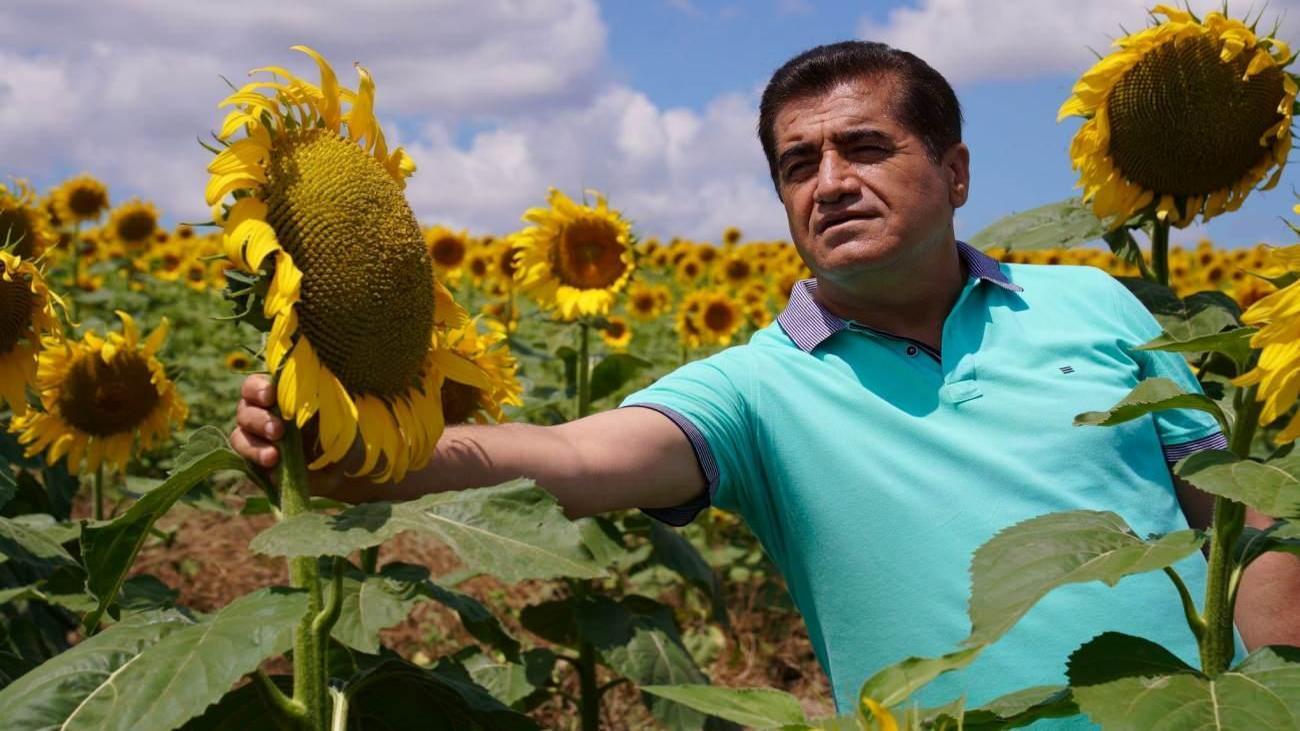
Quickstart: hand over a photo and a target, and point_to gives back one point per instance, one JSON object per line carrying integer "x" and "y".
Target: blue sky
{"x": 650, "y": 101}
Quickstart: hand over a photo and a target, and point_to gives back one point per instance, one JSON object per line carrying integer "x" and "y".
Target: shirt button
{"x": 911, "y": 350}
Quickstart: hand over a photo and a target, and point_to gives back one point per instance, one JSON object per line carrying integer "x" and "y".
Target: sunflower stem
{"x": 97, "y": 493}
{"x": 304, "y": 573}
{"x": 584, "y": 369}
{"x": 1218, "y": 645}
{"x": 370, "y": 559}
{"x": 1160, "y": 251}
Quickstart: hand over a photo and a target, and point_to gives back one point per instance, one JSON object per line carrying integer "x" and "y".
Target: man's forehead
{"x": 862, "y": 102}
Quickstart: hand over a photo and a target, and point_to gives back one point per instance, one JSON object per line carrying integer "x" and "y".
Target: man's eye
{"x": 796, "y": 169}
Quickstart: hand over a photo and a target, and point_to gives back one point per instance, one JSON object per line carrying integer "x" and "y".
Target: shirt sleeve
{"x": 705, "y": 401}
{"x": 1182, "y": 431}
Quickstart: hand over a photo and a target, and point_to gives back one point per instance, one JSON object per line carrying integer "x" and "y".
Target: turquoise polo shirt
{"x": 871, "y": 467}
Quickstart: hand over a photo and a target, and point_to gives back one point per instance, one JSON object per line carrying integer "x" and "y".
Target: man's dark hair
{"x": 927, "y": 105}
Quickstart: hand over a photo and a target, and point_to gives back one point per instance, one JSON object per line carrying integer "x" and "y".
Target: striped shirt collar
{"x": 809, "y": 324}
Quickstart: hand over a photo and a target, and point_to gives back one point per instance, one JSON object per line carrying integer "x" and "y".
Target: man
{"x": 914, "y": 398}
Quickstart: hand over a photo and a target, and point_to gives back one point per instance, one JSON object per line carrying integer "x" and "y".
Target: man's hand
{"x": 614, "y": 460}
{"x": 257, "y": 428}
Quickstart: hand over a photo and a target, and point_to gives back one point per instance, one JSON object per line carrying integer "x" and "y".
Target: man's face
{"x": 859, "y": 189}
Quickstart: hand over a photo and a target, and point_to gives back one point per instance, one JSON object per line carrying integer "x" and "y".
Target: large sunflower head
{"x": 24, "y": 225}
{"x": 1184, "y": 118}
{"x": 575, "y": 258}
{"x": 80, "y": 199}
{"x": 353, "y": 300}
{"x": 132, "y": 226}
{"x": 26, "y": 316}
{"x": 98, "y": 395}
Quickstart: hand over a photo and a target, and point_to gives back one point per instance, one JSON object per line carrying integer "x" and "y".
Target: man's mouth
{"x": 834, "y": 220}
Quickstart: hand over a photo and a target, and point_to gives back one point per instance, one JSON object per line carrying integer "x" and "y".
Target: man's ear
{"x": 956, "y": 163}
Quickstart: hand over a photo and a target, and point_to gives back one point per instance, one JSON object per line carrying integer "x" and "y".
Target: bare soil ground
{"x": 209, "y": 562}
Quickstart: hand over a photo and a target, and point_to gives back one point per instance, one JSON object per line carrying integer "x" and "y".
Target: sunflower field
{"x": 150, "y": 578}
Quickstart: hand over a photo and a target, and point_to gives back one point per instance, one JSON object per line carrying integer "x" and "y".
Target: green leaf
{"x": 156, "y": 679}
{"x": 761, "y": 708}
{"x": 8, "y": 485}
{"x": 1172, "y": 311}
{"x": 1151, "y": 395}
{"x": 1056, "y": 225}
{"x": 1282, "y": 537}
{"x": 673, "y": 551}
{"x": 1022, "y": 708}
{"x": 513, "y": 531}
{"x": 895, "y": 683}
{"x": 1128, "y": 683}
{"x": 19, "y": 593}
{"x": 481, "y": 623}
{"x": 144, "y": 593}
{"x": 603, "y": 539}
{"x": 48, "y": 695}
{"x": 245, "y": 708}
{"x": 110, "y": 548}
{"x": 512, "y": 683}
{"x": 31, "y": 548}
{"x": 637, "y": 637}
{"x": 371, "y": 604}
{"x": 570, "y": 358}
{"x": 1234, "y": 343}
{"x": 1272, "y": 487}
{"x": 613, "y": 372}
{"x": 396, "y": 695}
{"x": 553, "y": 621}
{"x": 1022, "y": 563}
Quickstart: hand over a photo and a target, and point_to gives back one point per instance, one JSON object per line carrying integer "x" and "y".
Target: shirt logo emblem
{"x": 1067, "y": 369}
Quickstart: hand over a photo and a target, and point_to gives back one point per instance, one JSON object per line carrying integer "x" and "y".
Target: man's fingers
{"x": 254, "y": 449}
{"x": 257, "y": 390}
{"x": 258, "y": 421}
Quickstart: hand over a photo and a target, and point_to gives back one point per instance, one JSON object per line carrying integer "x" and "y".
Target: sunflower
{"x": 689, "y": 269}
{"x": 616, "y": 333}
{"x": 505, "y": 252}
{"x": 98, "y": 395}
{"x": 354, "y": 304}
{"x": 686, "y": 321}
{"x": 461, "y": 402}
{"x": 575, "y": 258}
{"x": 1185, "y": 118}
{"x": 719, "y": 317}
{"x": 643, "y": 302}
{"x": 24, "y": 225}
{"x": 80, "y": 199}
{"x": 26, "y": 316}
{"x": 478, "y": 264}
{"x": 733, "y": 269}
{"x": 1277, "y": 372}
{"x": 731, "y": 236}
{"x": 448, "y": 250}
{"x": 131, "y": 227}
{"x": 238, "y": 360}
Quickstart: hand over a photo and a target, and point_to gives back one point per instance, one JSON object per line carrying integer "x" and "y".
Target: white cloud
{"x": 674, "y": 171}
{"x": 123, "y": 91}
{"x": 974, "y": 40}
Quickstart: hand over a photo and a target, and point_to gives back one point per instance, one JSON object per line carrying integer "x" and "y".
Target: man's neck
{"x": 911, "y": 300}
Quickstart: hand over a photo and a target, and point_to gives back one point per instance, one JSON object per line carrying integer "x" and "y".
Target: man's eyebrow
{"x": 845, "y": 138}
{"x": 798, "y": 149}
{"x": 859, "y": 135}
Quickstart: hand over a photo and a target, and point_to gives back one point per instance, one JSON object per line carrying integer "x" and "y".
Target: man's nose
{"x": 834, "y": 178}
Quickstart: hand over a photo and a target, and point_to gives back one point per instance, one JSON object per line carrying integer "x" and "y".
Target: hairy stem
{"x": 1218, "y": 645}
{"x": 97, "y": 493}
{"x": 1160, "y": 251}
{"x": 584, "y": 370}
{"x": 295, "y": 499}
{"x": 291, "y": 713}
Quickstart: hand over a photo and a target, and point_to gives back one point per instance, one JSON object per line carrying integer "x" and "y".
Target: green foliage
{"x": 1022, "y": 563}
{"x": 760, "y": 708}
{"x": 1062, "y": 224}
{"x": 513, "y": 531}
{"x": 110, "y": 548}
{"x": 1272, "y": 487}
{"x": 1150, "y": 396}
{"x": 155, "y": 670}
{"x": 1125, "y": 682}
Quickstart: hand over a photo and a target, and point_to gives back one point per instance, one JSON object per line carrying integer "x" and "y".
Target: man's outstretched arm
{"x": 614, "y": 460}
